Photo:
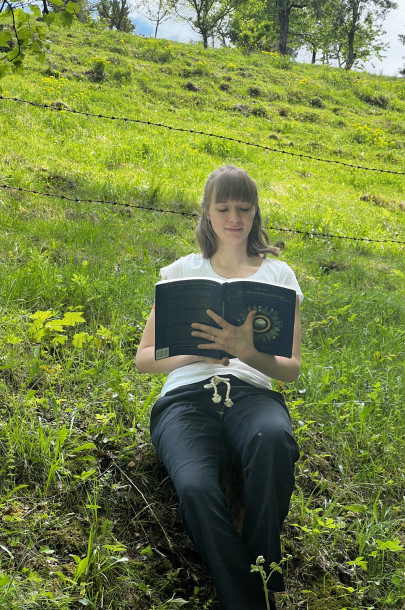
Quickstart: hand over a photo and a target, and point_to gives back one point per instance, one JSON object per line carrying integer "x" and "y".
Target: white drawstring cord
{"x": 215, "y": 380}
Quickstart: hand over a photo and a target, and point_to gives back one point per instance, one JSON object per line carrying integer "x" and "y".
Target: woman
{"x": 195, "y": 436}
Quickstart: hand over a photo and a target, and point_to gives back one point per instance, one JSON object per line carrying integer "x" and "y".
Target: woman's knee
{"x": 193, "y": 484}
{"x": 273, "y": 440}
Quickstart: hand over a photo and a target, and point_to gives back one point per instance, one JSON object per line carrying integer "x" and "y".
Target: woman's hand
{"x": 235, "y": 340}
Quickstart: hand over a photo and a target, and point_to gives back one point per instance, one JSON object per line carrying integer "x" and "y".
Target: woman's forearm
{"x": 276, "y": 367}
{"x": 145, "y": 361}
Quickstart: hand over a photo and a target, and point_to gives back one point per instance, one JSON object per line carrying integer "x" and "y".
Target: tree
{"x": 284, "y": 9}
{"x": 116, "y": 13}
{"x": 359, "y": 25}
{"x": 252, "y": 28}
{"x": 402, "y": 39}
{"x": 22, "y": 29}
{"x": 206, "y": 17}
{"x": 158, "y": 12}
{"x": 315, "y": 29}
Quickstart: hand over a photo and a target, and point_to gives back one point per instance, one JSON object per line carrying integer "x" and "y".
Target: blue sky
{"x": 389, "y": 66}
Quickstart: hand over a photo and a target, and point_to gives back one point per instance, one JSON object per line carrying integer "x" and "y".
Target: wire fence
{"x": 312, "y": 233}
{"x": 62, "y": 108}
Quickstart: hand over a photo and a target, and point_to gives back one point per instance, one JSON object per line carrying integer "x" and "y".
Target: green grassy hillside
{"x": 89, "y": 518}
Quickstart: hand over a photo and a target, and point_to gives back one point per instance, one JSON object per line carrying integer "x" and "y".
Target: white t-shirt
{"x": 272, "y": 271}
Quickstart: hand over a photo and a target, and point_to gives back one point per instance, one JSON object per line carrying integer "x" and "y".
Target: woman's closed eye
{"x": 240, "y": 209}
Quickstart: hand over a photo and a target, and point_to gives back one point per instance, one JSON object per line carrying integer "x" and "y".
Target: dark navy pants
{"x": 193, "y": 436}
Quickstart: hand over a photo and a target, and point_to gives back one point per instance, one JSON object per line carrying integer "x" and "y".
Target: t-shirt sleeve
{"x": 289, "y": 280}
{"x": 172, "y": 271}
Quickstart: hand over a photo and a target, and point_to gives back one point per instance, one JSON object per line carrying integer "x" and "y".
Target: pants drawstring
{"x": 215, "y": 381}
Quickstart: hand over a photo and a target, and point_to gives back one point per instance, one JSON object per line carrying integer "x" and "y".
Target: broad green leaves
{"x": 23, "y": 31}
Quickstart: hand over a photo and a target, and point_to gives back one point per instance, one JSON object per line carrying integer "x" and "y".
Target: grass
{"x": 89, "y": 518}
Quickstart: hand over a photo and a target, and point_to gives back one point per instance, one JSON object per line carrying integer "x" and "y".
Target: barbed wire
{"x": 312, "y": 233}
{"x": 62, "y": 108}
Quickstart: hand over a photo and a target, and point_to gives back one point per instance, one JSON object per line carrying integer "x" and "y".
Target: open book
{"x": 180, "y": 302}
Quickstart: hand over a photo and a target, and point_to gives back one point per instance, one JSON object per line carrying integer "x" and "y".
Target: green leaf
{"x": 356, "y": 508}
{"x": 13, "y": 54}
{"x": 5, "y": 37}
{"x": 24, "y": 35}
{"x": 85, "y": 474}
{"x": 35, "y": 10}
{"x": 84, "y": 447}
{"x": 71, "y": 318}
{"x": 13, "y": 491}
{"x": 42, "y": 315}
{"x": 80, "y": 339}
{"x": 81, "y": 568}
{"x": 21, "y": 16}
{"x": 49, "y": 18}
{"x": 72, "y": 7}
{"x": 65, "y": 18}
{"x": 4, "y": 69}
{"x": 4, "y": 581}
{"x": 59, "y": 340}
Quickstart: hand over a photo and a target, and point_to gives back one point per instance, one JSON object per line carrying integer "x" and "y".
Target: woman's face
{"x": 231, "y": 221}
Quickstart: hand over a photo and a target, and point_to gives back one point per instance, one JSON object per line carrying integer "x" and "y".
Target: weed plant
{"x": 88, "y": 517}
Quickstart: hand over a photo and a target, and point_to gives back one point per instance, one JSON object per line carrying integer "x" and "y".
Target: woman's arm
{"x": 145, "y": 358}
{"x": 238, "y": 341}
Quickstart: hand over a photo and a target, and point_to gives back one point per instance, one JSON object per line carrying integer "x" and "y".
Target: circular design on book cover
{"x": 266, "y": 323}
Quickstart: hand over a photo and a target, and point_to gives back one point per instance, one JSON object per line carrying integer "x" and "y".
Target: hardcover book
{"x": 180, "y": 302}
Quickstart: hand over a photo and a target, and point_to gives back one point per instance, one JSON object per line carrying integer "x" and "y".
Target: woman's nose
{"x": 234, "y": 215}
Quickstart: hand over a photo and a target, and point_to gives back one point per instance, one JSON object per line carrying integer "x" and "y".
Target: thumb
{"x": 250, "y": 317}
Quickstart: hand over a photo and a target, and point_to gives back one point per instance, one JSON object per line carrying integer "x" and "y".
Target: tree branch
{"x": 14, "y": 28}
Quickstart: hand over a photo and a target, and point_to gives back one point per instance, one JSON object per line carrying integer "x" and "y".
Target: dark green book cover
{"x": 180, "y": 302}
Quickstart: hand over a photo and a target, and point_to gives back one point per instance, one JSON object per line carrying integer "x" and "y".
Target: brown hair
{"x": 225, "y": 184}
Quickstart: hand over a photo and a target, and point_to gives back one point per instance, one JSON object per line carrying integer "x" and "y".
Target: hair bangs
{"x": 235, "y": 185}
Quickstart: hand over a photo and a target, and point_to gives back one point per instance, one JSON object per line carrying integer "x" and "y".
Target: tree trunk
{"x": 284, "y": 11}
{"x": 351, "y": 55}
{"x": 313, "y": 60}
{"x": 355, "y": 18}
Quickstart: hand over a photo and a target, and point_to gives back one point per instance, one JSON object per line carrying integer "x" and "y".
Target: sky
{"x": 389, "y": 66}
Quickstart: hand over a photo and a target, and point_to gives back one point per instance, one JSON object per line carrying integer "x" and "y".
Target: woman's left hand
{"x": 235, "y": 340}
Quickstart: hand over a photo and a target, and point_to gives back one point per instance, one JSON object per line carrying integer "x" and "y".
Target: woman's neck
{"x": 234, "y": 263}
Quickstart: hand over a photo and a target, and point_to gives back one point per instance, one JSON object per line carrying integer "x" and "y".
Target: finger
{"x": 206, "y": 334}
{"x": 206, "y": 345}
{"x": 217, "y": 318}
{"x": 204, "y": 328}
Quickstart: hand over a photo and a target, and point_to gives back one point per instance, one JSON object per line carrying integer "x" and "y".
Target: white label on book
{"x": 162, "y": 353}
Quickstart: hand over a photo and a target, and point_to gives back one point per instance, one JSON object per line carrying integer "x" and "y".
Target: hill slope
{"x": 95, "y": 523}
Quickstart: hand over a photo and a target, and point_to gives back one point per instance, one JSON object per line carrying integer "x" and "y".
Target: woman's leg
{"x": 258, "y": 434}
{"x": 186, "y": 429}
